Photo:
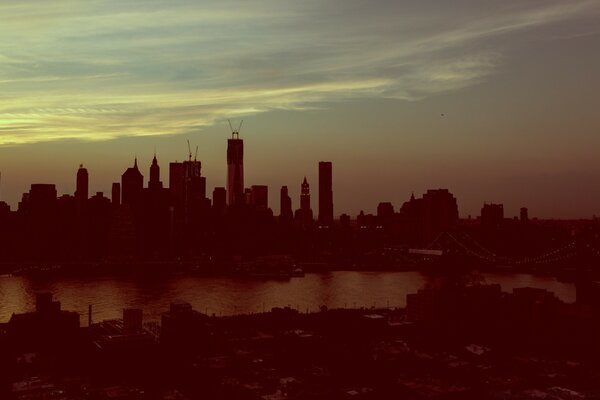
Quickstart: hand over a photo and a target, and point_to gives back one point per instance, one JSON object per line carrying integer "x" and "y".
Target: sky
{"x": 495, "y": 100}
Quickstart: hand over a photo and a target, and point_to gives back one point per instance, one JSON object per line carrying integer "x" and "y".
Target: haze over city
{"x": 495, "y": 102}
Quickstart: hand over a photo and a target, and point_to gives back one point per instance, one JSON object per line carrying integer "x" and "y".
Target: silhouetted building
{"x": 98, "y": 219}
{"x": 365, "y": 221}
{"x": 305, "y": 196}
{"x": 81, "y": 191}
{"x": 116, "y": 194}
{"x": 492, "y": 215}
{"x": 285, "y": 205}
{"x": 194, "y": 184}
{"x": 345, "y": 221}
{"x": 42, "y": 195}
{"x": 425, "y": 218}
{"x": 235, "y": 169}
{"x": 440, "y": 211}
{"x": 304, "y": 215}
{"x": 4, "y": 208}
{"x": 47, "y": 327}
{"x": 132, "y": 186}
{"x": 260, "y": 196}
{"x": 385, "y": 214}
{"x": 325, "y": 193}
{"x": 524, "y": 214}
{"x": 155, "y": 183}
{"x": 187, "y": 187}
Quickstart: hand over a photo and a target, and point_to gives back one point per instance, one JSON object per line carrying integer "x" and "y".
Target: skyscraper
{"x": 305, "y": 195}
{"x": 304, "y": 215}
{"x": 81, "y": 191}
{"x": 235, "y": 169}
{"x": 154, "y": 183}
{"x": 285, "y": 205}
{"x": 325, "y": 193}
{"x": 187, "y": 188}
{"x": 132, "y": 185}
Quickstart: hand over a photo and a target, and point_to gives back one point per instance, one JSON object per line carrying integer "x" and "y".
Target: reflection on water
{"x": 223, "y": 296}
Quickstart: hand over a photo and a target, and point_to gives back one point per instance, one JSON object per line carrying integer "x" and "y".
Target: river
{"x": 226, "y": 296}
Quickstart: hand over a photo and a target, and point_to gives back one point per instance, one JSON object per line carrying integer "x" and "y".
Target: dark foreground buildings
{"x": 452, "y": 341}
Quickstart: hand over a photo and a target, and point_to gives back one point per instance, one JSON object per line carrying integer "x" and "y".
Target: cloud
{"x": 99, "y": 70}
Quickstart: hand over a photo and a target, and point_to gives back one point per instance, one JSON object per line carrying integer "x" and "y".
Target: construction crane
{"x": 235, "y": 133}
{"x": 196, "y": 155}
{"x": 189, "y": 150}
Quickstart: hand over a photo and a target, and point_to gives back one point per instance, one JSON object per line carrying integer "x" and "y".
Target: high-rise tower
{"x": 305, "y": 195}
{"x": 155, "y": 182}
{"x": 285, "y": 205}
{"x": 235, "y": 168}
{"x": 132, "y": 186}
{"x": 325, "y": 193}
{"x": 81, "y": 191}
{"x": 304, "y": 215}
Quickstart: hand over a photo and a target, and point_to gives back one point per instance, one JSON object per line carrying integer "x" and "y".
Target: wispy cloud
{"x": 98, "y": 70}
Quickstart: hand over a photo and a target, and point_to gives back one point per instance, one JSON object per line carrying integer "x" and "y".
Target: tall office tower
{"x": 132, "y": 185}
{"x": 285, "y": 205}
{"x": 304, "y": 215}
{"x": 116, "y": 194}
{"x": 305, "y": 195}
{"x": 154, "y": 183}
{"x": 186, "y": 182}
{"x": 260, "y": 196}
{"x": 325, "y": 193}
{"x": 81, "y": 191}
{"x": 187, "y": 188}
{"x": 235, "y": 169}
{"x": 194, "y": 184}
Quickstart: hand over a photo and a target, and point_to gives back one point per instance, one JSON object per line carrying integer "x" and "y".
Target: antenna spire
{"x": 235, "y": 133}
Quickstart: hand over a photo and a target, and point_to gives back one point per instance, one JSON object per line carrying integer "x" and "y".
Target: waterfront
{"x": 226, "y": 296}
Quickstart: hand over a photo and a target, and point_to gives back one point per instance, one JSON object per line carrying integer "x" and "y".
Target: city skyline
{"x": 496, "y": 102}
{"x": 152, "y": 175}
